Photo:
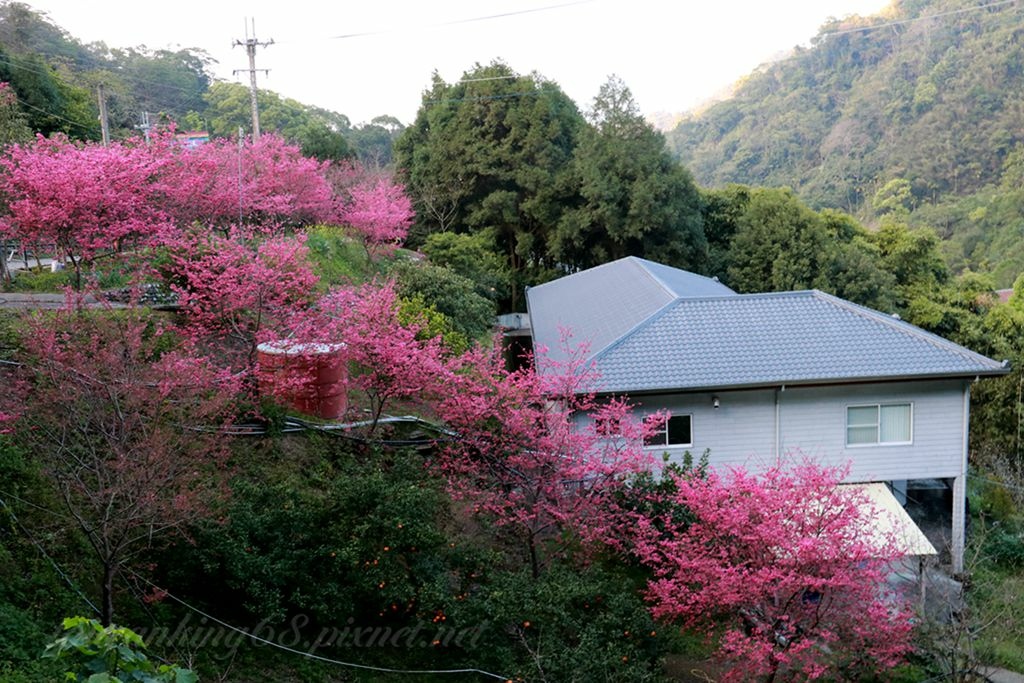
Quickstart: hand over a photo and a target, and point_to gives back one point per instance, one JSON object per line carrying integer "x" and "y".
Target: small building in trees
{"x": 756, "y": 379}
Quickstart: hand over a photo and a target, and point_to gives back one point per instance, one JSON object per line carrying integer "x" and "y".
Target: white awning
{"x": 892, "y": 518}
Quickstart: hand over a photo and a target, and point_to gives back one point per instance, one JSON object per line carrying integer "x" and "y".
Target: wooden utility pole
{"x": 250, "y": 45}
{"x": 104, "y": 125}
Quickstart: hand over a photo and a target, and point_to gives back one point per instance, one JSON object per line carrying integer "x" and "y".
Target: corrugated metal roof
{"x": 768, "y": 339}
{"x": 602, "y": 304}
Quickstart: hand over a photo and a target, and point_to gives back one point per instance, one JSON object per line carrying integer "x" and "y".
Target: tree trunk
{"x": 534, "y": 560}
{"x": 5, "y": 274}
{"x": 78, "y": 272}
{"x": 107, "y": 594}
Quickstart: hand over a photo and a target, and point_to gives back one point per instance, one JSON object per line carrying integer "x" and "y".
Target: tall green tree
{"x": 780, "y": 244}
{"x": 766, "y": 239}
{"x": 48, "y": 100}
{"x": 492, "y": 152}
{"x": 13, "y": 123}
{"x": 634, "y": 199}
{"x": 316, "y": 131}
{"x": 165, "y": 82}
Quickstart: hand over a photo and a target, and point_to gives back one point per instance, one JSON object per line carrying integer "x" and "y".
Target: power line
{"x": 56, "y": 116}
{"x": 996, "y": 481}
{"x": 310, "y": 655}
{"x": 9, "y": 58}
{"x": 483, "y": 98}
{"x": 487, "y": 78}
{"x": 42, "y": 550}
{"x": 902, "y": 22}
{"x": 456, "y": 22}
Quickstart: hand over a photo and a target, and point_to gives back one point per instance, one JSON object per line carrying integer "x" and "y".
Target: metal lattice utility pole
{"x": 145, "y": 126}
{"x": 250, "y": 45}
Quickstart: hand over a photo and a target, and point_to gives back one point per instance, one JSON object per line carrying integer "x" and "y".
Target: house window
{"x": 677, "y": 431}
{"x": 607, "y": 426}
{"x": 879, "y": 424}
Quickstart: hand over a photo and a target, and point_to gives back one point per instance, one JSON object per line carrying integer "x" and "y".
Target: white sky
{"x": 672, "y": 55}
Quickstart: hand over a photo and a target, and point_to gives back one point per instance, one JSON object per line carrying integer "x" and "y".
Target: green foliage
{"x": 894, "y": 197}
{"x": 44, "y": 280}
{"x": 40, "y": 280}
{"x": 472, "y": 257}
{"x": 336, "y": 258}
{"x": 32, "y": 595}
{"x": 168, "y": 83}
{"x": 316, "y": 132}
{"x": 920, "y": 126}
{"x": 48, "y": 101}
{"x": 1006, "y": 548}
{"x": 374, "y": 141}
{"x": 13, "y": 123}
{"x": 572, "y": 624}
{"x": 431, "y": 323}
{"x": 490, "y": 153}
{"x": 111, "y": 654}
{"x": 633, "y": 198}
{"x": 342, "y": 537}
{"x": 778, "y": 245}
{"x": 768, "y": 240}
{"x": 448, "y": 293}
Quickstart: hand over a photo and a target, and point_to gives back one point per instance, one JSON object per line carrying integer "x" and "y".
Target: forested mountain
{"x": 933, "y": 93}
{"x": 930, "y": 92}
{"x": 56, "y": 77}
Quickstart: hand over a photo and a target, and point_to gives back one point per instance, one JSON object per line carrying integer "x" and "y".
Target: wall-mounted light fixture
{"x": 715, "y": 403}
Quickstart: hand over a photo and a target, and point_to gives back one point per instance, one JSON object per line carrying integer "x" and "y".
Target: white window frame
{"x": 664, "y": 430}
{"x": 878, "y": 426}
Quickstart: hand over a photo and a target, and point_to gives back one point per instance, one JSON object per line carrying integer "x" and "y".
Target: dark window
{"x": 677, "y": 431}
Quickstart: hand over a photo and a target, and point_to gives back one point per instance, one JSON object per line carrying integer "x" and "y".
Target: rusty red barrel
{"x": 310, "y": 378}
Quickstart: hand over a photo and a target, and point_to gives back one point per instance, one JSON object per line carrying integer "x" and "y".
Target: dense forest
{"x": 928, "y": 92}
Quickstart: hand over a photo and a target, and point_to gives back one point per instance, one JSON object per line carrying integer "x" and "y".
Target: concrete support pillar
{"x": 899, "y": 490}
{"x": 960, "y": 491}
{"x": 959, "y": 522}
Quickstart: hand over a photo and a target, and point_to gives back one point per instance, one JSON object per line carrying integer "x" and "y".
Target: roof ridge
{"x": 642, "y": 262}
{"x": 636, "y": 328}
{"x": 897, "y": 324}
{"x": 649, "y": 320}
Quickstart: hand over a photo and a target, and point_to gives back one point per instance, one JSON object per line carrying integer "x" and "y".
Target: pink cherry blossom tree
{"x": 123, "y": 420}
{"x": 84, "y": 198}
{"x": 236, "y": 293}
{"x": 222, "y": 183}
{"x": 526, "y": 460}
{"x": 391, "y": 363}
{"x": 379, "y": 212}
{"x": 782, "y": 568}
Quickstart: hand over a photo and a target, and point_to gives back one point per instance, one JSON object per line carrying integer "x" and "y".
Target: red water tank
{"x": 311, "y": 378}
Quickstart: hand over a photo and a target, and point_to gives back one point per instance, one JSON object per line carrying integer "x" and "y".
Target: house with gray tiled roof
{"x": 757, "y": 378}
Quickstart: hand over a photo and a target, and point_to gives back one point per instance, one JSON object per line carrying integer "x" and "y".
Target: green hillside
{"x": 933, "y": 93}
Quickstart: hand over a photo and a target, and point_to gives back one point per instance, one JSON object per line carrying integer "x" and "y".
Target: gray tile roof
{"x": 770, "y": 339}
{"x": 601, "y": 304}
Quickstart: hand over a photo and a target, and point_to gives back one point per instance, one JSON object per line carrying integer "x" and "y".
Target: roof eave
{"x": 993, "y": 372}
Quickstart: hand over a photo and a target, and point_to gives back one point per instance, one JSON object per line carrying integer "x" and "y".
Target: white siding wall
{"x": 812, "y": 421}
